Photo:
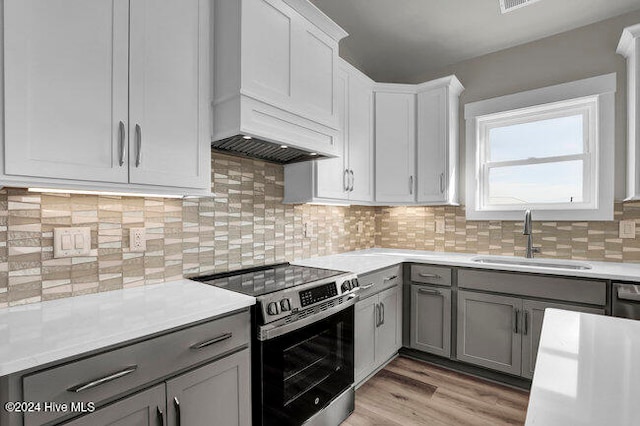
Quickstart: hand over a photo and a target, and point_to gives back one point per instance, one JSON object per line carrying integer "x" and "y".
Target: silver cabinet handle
{"x": 442, "y": 183}
{"x": 364, "y": 287}
{"x": 353, "y": 180}
{"x": 393, "y": 277}
{"x": 516, "y": 314}
{"x": 525, "y": 322}
{"x": 138, "y": 145}
{"x": 103, "y": 380}
{"x": 425, "y": 275}
{"x": 213, "y": 341}
{"x": 123, "y": 146}
{"x": 411, "y": 185}
{"x": 345, "y": 180}
{"x": 160, "y": 416}
{"x": 428, "y": 291}
{"x": 377, "y": 315}
{"x": 176, "y": 404}
{"x": 381, "y": 313}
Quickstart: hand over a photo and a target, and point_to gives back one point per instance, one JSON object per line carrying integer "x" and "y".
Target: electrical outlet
{"x": 308, "y": 230}
{"x": 439, "y": 226}
{"x": 71, "y": 242}
{"x": 359, "y": 227}
{"x": 627, "y": 229}
{"x": 137, "y": 240}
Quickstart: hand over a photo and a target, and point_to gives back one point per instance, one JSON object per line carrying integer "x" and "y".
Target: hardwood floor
{"x": 409, "y": 392}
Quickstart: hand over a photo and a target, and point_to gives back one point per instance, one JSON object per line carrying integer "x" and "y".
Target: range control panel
{"x": 278, "y": 305}
{"x": 318, "y": 294}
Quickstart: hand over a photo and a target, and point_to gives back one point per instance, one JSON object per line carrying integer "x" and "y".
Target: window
{"x": 552, "y": 157}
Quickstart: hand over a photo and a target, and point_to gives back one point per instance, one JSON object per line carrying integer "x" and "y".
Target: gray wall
{"x": 581, "y": 53}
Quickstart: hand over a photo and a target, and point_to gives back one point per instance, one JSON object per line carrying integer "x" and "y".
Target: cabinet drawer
{"x": 431, "y": 274}
{"x": 557, "y": 288}
{"x": 104, "y": 376}
{"x": 375, "y": 282}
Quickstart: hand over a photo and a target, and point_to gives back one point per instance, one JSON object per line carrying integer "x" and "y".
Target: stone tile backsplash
{"x": 246, "y": 224}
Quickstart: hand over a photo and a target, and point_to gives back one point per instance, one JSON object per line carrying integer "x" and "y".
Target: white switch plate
{"x": 71, "y": 242}
{"x": 359, "y": 227}
{"x": 137, "y": 240}
{"x": 439, "y": 226}
{"x": 627, "y": 229}
{"x": 308, "y": 230}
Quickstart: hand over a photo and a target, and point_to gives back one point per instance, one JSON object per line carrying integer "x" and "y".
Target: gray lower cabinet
{"x": 378, "y": 330}
{"x": 431, "y": 319}
{"x": 532, "y": 328}
{"x": 146, "y": 408}
{"x": 218, "y": 393}
{"x": 487, "y": 331}
{"x": 503, "y": 333}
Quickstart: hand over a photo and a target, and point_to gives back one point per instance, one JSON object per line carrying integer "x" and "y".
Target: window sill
{"x": 602, "y": 214}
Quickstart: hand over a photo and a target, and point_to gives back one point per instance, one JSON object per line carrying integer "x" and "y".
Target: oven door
{"x": 305, "y": 369}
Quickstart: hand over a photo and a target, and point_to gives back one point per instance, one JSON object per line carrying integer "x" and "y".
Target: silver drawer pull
{"x": 98, "y": 382}
{"x": 365, "y": 287}
{"x": 393, "y": 277}
{"x": 123, "y": 145}
{"x": 425, "y": 275}
{"x": 427, "y": 291}
{"x": 213, "y": 341}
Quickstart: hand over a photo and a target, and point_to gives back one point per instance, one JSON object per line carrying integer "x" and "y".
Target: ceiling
{"x": 401, "y": 40}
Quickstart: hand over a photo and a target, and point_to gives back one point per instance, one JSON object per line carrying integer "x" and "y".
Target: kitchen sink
{"x": 536, "y": 263}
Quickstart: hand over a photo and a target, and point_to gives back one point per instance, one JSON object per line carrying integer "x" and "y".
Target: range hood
{"x": 249, "y": 147}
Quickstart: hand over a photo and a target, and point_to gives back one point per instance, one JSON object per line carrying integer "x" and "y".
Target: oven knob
{"x": 346, "y": 286}
{"x": 354, "y": 283}
{"x": 285, "y": 305}
{"x": 273, "y": 309}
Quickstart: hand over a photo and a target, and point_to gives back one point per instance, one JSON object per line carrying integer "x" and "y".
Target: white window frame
{"x": 593, "y": 98}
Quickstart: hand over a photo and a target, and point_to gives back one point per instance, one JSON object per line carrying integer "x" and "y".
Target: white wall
{"x": 581, "y": 53}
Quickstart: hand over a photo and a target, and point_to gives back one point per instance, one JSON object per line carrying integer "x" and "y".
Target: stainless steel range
{"x": 302, "y": 369}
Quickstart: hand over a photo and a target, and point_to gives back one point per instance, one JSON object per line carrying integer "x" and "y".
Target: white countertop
{"x": 40, "y": 333}
{"x": 365, "y": 261}
{"x": 587, "y": 371}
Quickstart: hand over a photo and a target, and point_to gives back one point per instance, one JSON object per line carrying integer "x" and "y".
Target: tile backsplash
{"x": 246, "y": 224}
{"x": 446, "y": 229}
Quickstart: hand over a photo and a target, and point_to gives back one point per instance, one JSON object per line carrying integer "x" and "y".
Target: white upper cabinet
{"x": 275, "y": 79}
{"x": 395, "y": 142}
{"x": 169, "y": 126}
{"x": 66, "y": 89}
{"x": 629, "y": 47}
{"x": 349, "y": 177}
{"x": 437, "y": 144}
{"x": 107, "y": 95}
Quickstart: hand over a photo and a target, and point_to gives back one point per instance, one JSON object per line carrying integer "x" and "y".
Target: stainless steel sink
{"x": 536, "y": 263}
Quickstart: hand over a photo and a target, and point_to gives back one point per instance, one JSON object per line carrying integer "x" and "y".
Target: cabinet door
{"x": 65, "y": 83}
{"x": 533, "y": 314}
{"x": 431, "y": 320}
{"x": 432, "y": 143}
{"x": 331, "y": 174}
{"x": 395, "y": 147}
{"x": 360, "y": 136}
{"x": 366, "y": 315}
{"x": 169, "y": 128}
{"x": 487, "y": 331}
{"x": 146, "y": 408}
{"x": 387, "y": 333}
{"x": 218, "y": 393}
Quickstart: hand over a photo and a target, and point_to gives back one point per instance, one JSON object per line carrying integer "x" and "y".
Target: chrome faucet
{"x": 528, "y": 230}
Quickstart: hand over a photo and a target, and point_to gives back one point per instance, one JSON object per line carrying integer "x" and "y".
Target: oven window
{"x": 309, "y": 363}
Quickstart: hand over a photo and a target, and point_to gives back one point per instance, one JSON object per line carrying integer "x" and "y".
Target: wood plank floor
{"x": 409, "y": 392}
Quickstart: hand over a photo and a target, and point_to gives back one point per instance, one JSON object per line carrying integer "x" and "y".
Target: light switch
{"x": 627, "y": 229}
{"x": 71, "y": 242}
{"x": 67, "y": 242}
{"x": 79, "y": 241}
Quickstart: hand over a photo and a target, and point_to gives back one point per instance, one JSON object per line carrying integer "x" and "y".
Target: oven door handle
{"x": 271, "y": 331}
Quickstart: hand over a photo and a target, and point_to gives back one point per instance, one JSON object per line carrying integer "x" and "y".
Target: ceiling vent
{"x": 511, "y": 5}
